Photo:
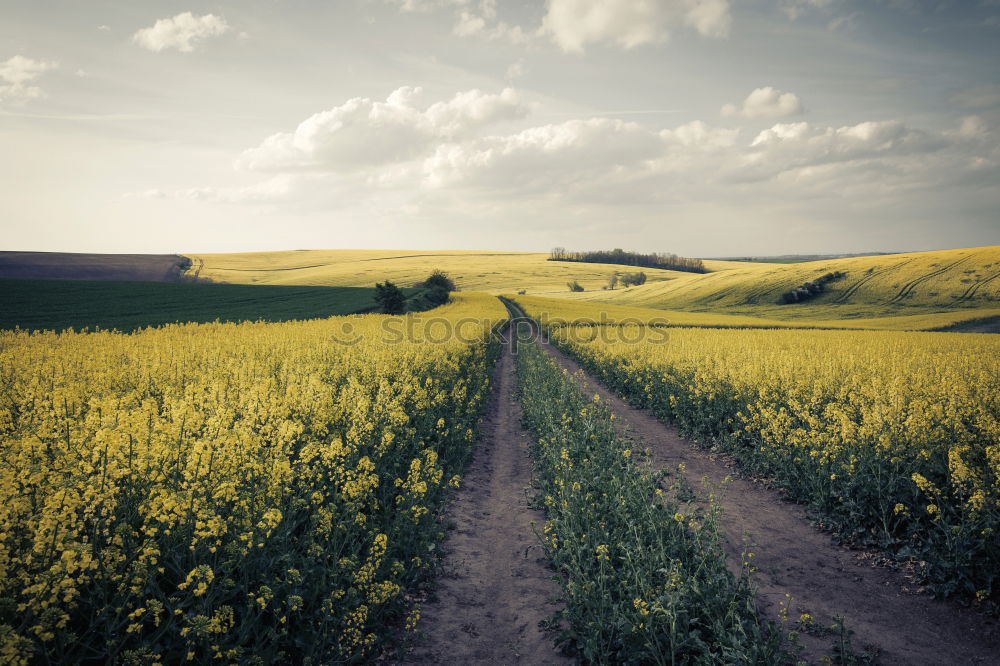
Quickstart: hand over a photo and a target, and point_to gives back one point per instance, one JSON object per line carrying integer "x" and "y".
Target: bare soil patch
{"x": 78, "y": 266}
{"x": 496, "y": 586}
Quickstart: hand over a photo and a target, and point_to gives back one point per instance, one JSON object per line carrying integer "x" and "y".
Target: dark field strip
{"x": 128, "y": 306}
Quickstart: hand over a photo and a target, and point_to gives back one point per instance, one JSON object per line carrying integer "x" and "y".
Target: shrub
{"x": 810, "y": 289}
{"x": 574, "y": 286}
{"x": 389, "y": 298}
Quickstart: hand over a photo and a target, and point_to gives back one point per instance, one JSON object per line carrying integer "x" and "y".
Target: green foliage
{"x": 633, "y": 279}
{"x": 661, "y": 260}
{"x": 390, "y": 298}
{"x": 810, "y": 289}
{"x": 440, "y": 280}
{"x": 890, "y": 436}
{"x": 644, "y": 577}
{"x": 128, "y": 306}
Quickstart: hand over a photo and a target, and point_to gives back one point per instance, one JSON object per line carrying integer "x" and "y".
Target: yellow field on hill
{"x": 493, "y": 272}
{"x": 561, "y": 310}
{"x": 915, "y": 291}
{"x": 873, "y": 286}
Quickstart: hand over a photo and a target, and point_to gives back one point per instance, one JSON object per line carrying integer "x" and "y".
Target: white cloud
{"x": 544, "y": 158}
{"x": 766, "y": 102}
{"x": 573, "y": 24}
{"x": 182, "y": 32}
{"x": 104, "y": 28}
{"x": 362, "y": 133}
{"x": 482, "y": 22}
{"x": 16, "y": 76}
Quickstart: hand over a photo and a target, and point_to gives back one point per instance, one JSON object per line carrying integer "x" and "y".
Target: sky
{"x": 699, "y": 127}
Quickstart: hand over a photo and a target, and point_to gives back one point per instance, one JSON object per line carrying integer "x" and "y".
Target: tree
{"x": 438, "y": 286}
{"x": 389, "y": 298}
{"x": 633, "y": 279}
{"x": 612, "y": 281}
{"x": 440, "y": 279}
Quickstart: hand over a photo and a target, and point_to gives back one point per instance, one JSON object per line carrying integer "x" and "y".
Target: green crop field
{"x": 127, "y": 306}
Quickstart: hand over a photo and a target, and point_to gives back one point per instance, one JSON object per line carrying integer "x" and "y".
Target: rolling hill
{"x": 874, "y": 286}
{"x": 493, "y": 272}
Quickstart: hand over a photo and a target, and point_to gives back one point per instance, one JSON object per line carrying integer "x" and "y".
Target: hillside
{"x": 875, "y": 286}
{"x": 83, "y": 266}
{"x": 494, "y": 272}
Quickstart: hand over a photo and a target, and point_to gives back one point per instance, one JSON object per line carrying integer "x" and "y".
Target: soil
{"x": 882, "y": 605}
{"x": 495, "y": 587}
{"x": 79, "y": 266}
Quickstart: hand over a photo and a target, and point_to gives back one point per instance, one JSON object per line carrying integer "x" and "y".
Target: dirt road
{"x": 496, "y": 586}
{"x": 879, "y": 604}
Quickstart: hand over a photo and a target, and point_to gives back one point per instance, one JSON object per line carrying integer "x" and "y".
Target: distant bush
{"x": 438, "y": 279}
{"x": 665, "y": 261}
{"x": 438, "y": 286}
{"x": 389, "y": 298}
{"x": 612, "y": 281}
{"x": 574, "y": 286}
{"x": 633, "y": 279}
{"x": 810, "y": 289}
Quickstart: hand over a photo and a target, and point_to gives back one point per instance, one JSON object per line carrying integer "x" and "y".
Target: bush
{"x": 810, "y": 289}
{"x": 438, "y": 279}
{"x": 574, "y": 286}
{"x": 389, "y": 298}
{"x": 633, "y": 279}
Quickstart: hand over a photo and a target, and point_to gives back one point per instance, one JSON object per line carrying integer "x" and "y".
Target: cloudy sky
{"x": 702, "y": 127}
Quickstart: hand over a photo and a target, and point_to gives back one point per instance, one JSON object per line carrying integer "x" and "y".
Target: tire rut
{"x": 879, "y": 604}
{"x": 496, "y": 586}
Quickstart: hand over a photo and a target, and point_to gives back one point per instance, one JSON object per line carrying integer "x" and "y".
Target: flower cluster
{"x": 244, "y": 492}
{"x": 894, "y": 436}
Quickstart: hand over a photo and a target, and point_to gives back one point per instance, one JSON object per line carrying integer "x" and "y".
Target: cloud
{"x": 362, "y": 133}
{"x": 482, "y": 22}
{"x": 182, "y": 32}
{"x": 766, "y": 102}
{"x": 17, "y": 75}
{"x": 515, "y": 71}
{"x": 573, "y": 24}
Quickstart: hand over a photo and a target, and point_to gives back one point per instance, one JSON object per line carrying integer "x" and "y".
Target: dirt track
{"x": 496, "y": 586}
{"x": 879, "y": 604}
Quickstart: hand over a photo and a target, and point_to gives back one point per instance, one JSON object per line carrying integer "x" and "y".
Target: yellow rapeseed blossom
{"x": 198, "y": 473}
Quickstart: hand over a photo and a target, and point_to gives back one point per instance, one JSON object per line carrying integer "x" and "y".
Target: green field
{"x": 127, "y": 306}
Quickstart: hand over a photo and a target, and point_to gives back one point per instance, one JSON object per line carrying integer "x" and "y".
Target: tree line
{"x": 662, "y": 260}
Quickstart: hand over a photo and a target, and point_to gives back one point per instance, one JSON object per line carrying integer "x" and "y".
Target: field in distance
{"x": 492, "y": 272}
{"x": 920, "y": 290}
{"x": 918, "y": 283}
{"x": 127, "y": 306}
